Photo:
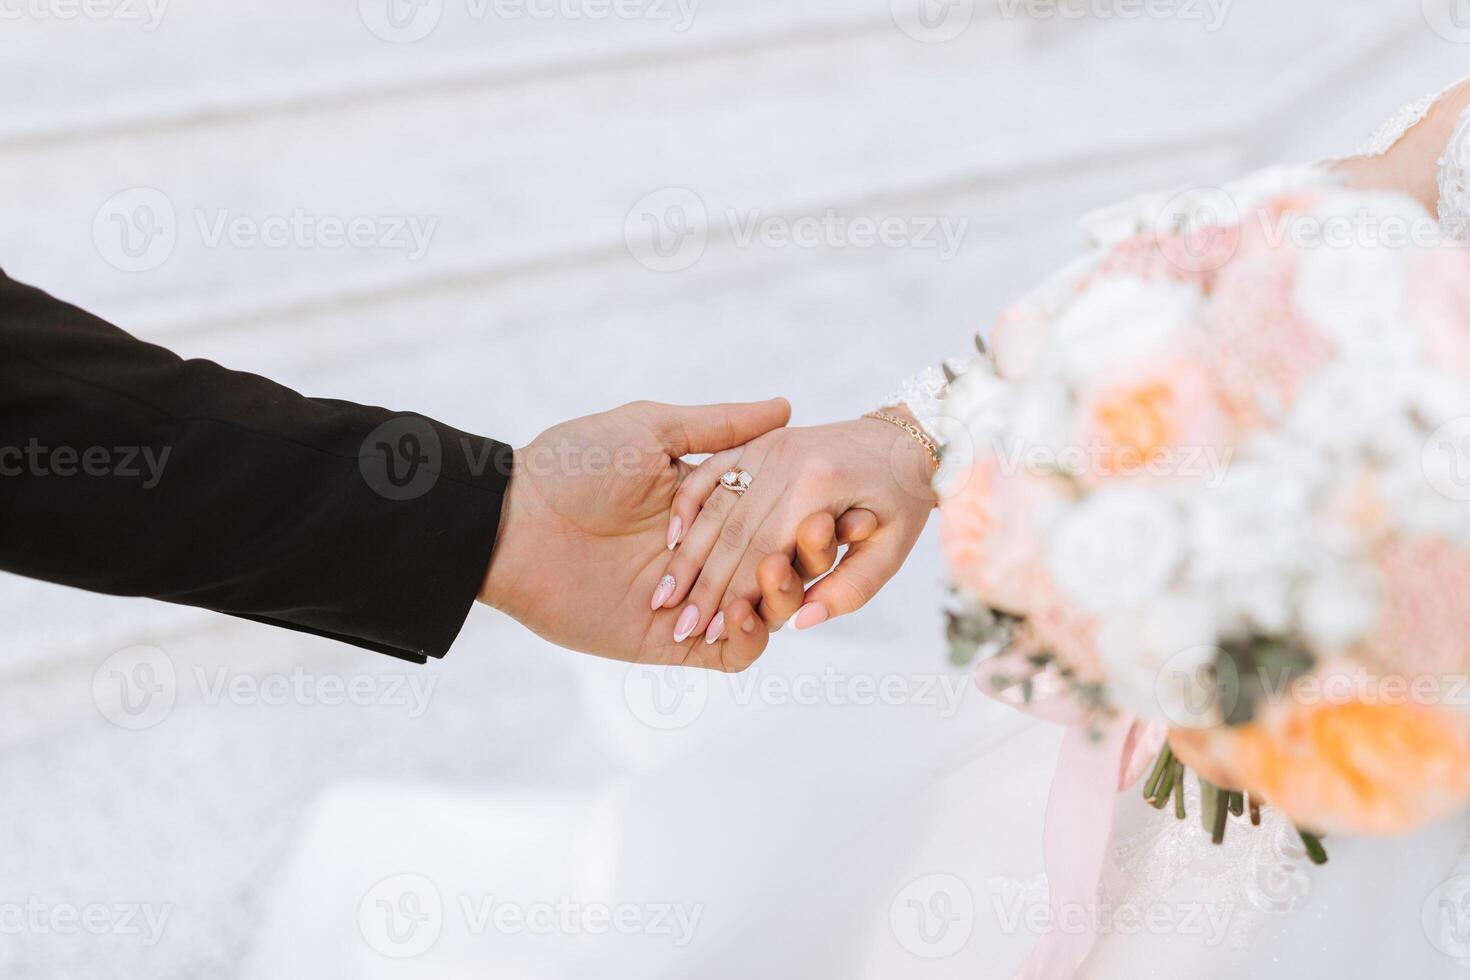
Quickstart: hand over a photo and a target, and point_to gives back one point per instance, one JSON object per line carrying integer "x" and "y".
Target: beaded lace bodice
{"x": 1454, "y": 165}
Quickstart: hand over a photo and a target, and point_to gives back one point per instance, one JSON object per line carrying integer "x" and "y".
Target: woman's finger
{"x": 782, "y": 583}
{"x": 777, "y": 580}
{"x": 742, "y": 641}
{"x": 699, "y": 544}
{"x": 694, "y": 490}
{"x": 695, "y": 547}
{"x": 732, "y": 552}
{"x": 864, "y": 570}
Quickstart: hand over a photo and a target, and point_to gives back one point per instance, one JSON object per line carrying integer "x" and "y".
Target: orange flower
{"x": 1207, "y": 752}
{"x": 1161, "y": 418}
{"x": 1134, "y": 422}
{"x": 1357, "y": 768}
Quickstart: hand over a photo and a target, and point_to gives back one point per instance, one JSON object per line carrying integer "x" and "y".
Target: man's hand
{"x": 583, "y": 532}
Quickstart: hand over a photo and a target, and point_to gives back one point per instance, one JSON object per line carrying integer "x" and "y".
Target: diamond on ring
{"x": 736, "y": 481}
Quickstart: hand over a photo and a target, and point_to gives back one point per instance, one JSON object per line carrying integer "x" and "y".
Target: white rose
{"x": 1411, "y": 488}
{"x": 1338, "y": 609}
{"x": 1352, "y": 295}
{"x": 1037, "y": 433}
{"x": 1156, "y": 657}
{"x": 1252, "y": 537}
{"x": 1119, "y": 547}
{"x": 1254, "y": 524}
{"x": 1019, "y": 345}
{"x": 1366, "y": 220}
{"x": 1436, "y": 396}
{"x": 1425, "y": 480}
{"x": 1351, "y": 409}
{"x": 979, "y": 400}
{"x": 1259, "y": 605}
{"x": 1117, "y": 321}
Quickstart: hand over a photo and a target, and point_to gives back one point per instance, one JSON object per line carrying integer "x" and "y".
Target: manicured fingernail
{"x": 688, "y": 619}
{"x": 716, "y": 627}
{"x": 811, "y": 614}
{"x": 748, "y": 626}
{"x": 664, "y": 590}
{"x": 676, "y": 531}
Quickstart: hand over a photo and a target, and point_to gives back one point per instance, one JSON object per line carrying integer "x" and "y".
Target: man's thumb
{"x": 712, "y": 428}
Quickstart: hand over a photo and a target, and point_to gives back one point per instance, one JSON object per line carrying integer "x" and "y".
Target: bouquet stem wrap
{"x": 1093, "y": 767}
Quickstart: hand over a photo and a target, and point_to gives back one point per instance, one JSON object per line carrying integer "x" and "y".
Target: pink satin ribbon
{"x": 1090, "y": 773}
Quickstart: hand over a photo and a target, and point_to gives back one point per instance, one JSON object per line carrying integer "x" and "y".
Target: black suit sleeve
{"x": 126, "y": 470}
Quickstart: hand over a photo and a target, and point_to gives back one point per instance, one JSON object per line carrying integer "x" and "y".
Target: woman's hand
{"x": 864, "y": 483}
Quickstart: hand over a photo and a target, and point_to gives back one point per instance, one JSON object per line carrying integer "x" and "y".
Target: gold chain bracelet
{"x": 914, "y": 432}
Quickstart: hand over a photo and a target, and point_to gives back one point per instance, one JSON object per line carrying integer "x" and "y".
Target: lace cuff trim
{"x": 1454, "y": 185}
{"x": 924, "y": 394}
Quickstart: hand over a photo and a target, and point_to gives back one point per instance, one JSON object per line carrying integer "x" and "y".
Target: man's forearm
{"x": 126, "y": 470}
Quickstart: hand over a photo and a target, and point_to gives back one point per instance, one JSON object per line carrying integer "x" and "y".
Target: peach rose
{"x": 1356, "y": 768}
{"x": 1162, "y": 421}
{"x": 993, "y": 530}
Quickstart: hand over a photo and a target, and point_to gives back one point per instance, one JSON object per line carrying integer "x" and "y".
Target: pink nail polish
{"x": 676, "y": 531}
{"x": 811, "y": 615}
{"x": 716, "y": 627}
{"x": 688, "y": 619}
{"x": 664, "y": 590}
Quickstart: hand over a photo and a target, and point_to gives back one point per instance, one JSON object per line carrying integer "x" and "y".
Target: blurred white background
{"x": 506, "y": 167}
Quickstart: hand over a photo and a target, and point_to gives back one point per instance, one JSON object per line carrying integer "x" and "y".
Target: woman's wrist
{"x": 904, "y": 420}
{"x": 914, "y": 456}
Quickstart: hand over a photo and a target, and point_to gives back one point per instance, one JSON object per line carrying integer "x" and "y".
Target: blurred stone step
{"x": 485, "y": 184}
{"x": 148, "y": 65}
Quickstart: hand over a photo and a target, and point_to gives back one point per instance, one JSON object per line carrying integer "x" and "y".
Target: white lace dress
{"x": 819, "y": 843}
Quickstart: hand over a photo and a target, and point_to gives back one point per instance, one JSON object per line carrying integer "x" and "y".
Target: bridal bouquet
{"x": 1207, "y": 482}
